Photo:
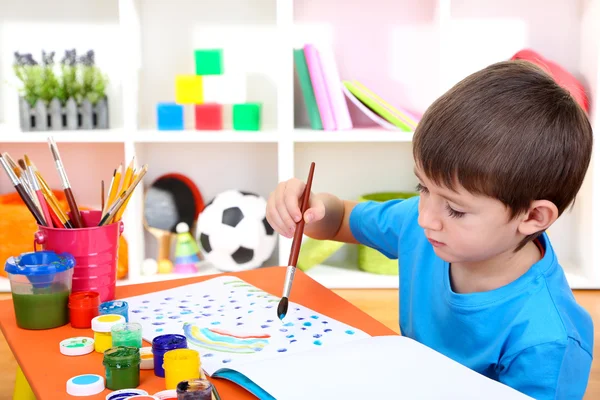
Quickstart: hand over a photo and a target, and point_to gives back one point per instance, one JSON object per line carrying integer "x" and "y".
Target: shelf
{"x": 333, "y": 277}
{"x": 357, "y": 135}
{"x": 15, "y": 135}
{"x": 194, "y": 136}
{"x": 205, "y": 269}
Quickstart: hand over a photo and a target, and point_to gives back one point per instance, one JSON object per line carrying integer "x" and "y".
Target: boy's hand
{"x": 283, "y": 207}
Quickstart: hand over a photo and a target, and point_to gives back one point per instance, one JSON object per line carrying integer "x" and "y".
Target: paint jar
{"x": 117, "y": 307}
{"x": 196, "y": 389}
{"x": 125, "y": 394}
{"x": 40, "y": 283}
{"x": 122, "y": 367}
{"x": 180, "y": 365}
{"x": 166, "y": 395}
{"x": 83, "y": 307}
{"x": 127, "y": 334}
{"x": 102, "y": 325}
{"x": 163, "y": 343}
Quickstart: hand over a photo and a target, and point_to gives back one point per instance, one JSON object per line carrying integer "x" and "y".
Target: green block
{"x": 246, "y": 116}
{"x": 209, "y": 61}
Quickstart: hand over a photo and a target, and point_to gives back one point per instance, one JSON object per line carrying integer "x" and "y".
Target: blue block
{"x": 169, "y": 116}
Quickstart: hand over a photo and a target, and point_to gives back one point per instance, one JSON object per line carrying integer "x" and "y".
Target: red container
{"x": 96, "y": 251}
{"x": 83, "y": 307}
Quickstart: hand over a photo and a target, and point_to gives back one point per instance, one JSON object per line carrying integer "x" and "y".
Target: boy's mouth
{"x": 435, "y": 243}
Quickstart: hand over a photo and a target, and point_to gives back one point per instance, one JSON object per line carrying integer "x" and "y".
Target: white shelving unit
{"x": 408, "y": 52}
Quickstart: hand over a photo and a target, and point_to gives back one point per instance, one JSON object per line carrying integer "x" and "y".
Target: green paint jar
{"x": 122, "y": 367}
{"x": 127, "y": 334}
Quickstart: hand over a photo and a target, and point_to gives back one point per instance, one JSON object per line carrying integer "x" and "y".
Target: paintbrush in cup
{"x": 282, "y": 308}
{"x": 75, "y": 214}
{"x": 23, "y": 193}
{"x": 35, "y": 186}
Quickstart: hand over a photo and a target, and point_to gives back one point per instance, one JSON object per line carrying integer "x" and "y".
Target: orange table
{"x": 47, "y": 370}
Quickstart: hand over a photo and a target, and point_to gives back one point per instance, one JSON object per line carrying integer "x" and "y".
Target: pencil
{"x": 296, "y": 243}
{"x": 122, "y": 210}
{"x": 114, "y": 209}
{"x": 75, "y": 214}
{"x": 24, "y": 195}
{"x": 113, "y": 189}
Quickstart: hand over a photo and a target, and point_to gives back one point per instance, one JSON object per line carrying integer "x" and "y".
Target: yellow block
{"x": 188, "y": 89}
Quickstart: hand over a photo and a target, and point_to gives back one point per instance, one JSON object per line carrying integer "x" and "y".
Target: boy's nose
{"x": 428, "y": 218}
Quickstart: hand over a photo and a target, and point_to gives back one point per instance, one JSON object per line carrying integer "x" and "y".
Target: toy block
{"x": 209, "y": 116}
{"x": 246, "y": 116}
{"x": 188, "y": 89}
{"x": 169, "y": 116}
{"x": 209, "y": 61}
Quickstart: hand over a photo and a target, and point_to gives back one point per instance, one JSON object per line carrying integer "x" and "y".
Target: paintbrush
{"x": 122, "y": 199}
{"x": 75, "y": 214}
{"x": 54, "y": 203}
{"x": 35, "y": 186}
{"x": 296, "y": 243}
{"x": 22, "y": 192}
{"x": 102, "y": 195}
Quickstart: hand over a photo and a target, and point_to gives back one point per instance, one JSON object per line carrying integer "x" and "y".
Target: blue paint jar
{"x": 115, "y": 307}
{"x": 163, "y": 343}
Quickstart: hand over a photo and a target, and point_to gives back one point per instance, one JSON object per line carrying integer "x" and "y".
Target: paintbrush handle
{"x": 75, "y": 214}
{"x": 297, "y": 240}
{"x": 30, "y": 205}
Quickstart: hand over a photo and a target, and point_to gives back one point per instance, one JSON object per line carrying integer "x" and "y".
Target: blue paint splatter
{"x": 170, "y": 312}
{"x": 249, "y": 294}
{"x": 144, "y": 317}
{"x": 307, "y": 323}
{"x": 281, "y": 350}
{"x": 250, "y": 311}
{"x": 327, "y": 330}
{"x": 206, "y": 295}
{"x": 159, "y": 317}
{"x": 240, "y": 323}
{"x": 206, "y": 307}
{"x": 350, "y": 332}
{"x": 303, "y": 328}
{"x": 297, "y": 309}
{"x": 318, "y": 342}
{"x": 208, "y": 355}
{"x": 269, "y": 320}
{"x": 162, "y": 304}
{"x": 183, "y": 307}
{"x": 269, "y": 307}
{"x": 324, "y": 322}
{"x": 264, "y": 326}
{"x": 257, "y": 349}
{"x": 293, "y": 340}
{"x": 174, "y": 317}
{"x": 314, "y": 316}
{"x": 159, "y": 330}
{"x": 317, "y": 335}
{"x": 300, "y": 318}
{"x": 198, "y": 316}
{"x": 136, "y": 311}
{"x": 239, "y": 318}
{"x": 146, "y": 301}
{"x": 206, "y": 315}
{"x": 289, "y": 336}
{"x": 168, "y": 298}
{"x": 211, "y": 299}
{"x": 283, "y": 330}
{"x": 227, "y": 360}
{"x": 233, "y": 301}
{"x": 238, "y": 307}
{"x": 215, "y": 323}
{"x": 158, "y": 310}
{"x": 186, "y": 312}
{"x": 252, "y": 304}
{"x": 158, "y": 323}
{"x": 289, "y": 324}
{"x": 185, "y": 301}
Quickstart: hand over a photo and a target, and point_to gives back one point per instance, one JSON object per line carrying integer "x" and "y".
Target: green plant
{"x": 69, "y": 85}
{"x": 29, "y": 72}
{"x": 93, "y": 81}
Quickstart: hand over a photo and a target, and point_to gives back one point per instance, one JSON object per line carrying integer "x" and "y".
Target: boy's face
{"x": 462, "y": 227}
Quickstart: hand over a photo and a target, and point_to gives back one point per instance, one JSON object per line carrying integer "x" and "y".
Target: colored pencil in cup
{"x": 113, "y": 188}
{"x": 24, "y": 195}
{"x": 119, "y": 203}
{"x": 35, "y": 185}
{"x": 295, "y": 252}
{"x": 75, "y": 214}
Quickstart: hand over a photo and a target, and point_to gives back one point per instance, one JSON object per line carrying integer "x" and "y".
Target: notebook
{"x": 234, "y": 327}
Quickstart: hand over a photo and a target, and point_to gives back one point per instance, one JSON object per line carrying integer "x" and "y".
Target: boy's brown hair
{"x": 508, "y": 131}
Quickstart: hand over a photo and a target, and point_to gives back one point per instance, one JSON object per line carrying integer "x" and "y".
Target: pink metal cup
{"x": 96, "y": 251}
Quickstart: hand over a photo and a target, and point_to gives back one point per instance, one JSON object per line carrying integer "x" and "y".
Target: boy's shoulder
{"x": 549, "y": 312}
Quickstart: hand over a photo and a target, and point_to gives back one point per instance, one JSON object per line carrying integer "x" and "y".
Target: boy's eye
{"x": 453, "y": 213}
{"x": 421, "y": 189}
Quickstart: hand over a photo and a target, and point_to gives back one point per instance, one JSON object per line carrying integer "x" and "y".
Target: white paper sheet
{"x": 384, "y": 367}
{"x": 231, "y": 322}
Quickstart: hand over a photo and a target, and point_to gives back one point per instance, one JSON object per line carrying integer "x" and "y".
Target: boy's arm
{"x": 555, "y": 370}
{"x": 336, "y": 223}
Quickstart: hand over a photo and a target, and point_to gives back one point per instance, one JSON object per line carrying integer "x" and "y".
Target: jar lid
{"x": 86, "y": 299}
{"x": 147, "y": 358}
{"x": 39, "y": 263}
{"x": 125, "y": 394}
{"x": 169, "y": 342}
{"x": 103, "y": 323}
{"x": 143, "y": 397}
{"x": 85, "y": 385}
{"x": 113, "y": 307}
{"x": 170, "y": 394}
{"x": 77, "y": 346}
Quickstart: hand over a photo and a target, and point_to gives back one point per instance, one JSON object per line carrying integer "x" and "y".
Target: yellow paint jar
{"x": 101, "y": 325}
{"x": 180, "y": 365}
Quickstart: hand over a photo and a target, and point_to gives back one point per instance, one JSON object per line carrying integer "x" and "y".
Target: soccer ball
{"x": 233, "y": 231}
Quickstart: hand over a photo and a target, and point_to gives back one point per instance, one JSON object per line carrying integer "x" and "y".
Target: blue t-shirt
{"x": 530, "y": 334}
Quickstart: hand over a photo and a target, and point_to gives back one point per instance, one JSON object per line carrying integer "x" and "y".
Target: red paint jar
{"x": 83, "y": 307}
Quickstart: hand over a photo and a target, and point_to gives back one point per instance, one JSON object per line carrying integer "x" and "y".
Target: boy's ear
{"x": 539, "y": 217}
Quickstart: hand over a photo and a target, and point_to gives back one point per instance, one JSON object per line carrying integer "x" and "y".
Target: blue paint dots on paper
{"x": 208, "y": 355}
{"x": 239, "y": 318}
{"x": 289, "y": 324}
{"x": 136, "y": 311}
{"x": 168, "y": 298}
{"x": 303, "y": 328}
{"x": 293, "y": 340}
{"x": 252, "y": 304}
{"x": 350, "y": 332}
{"x": 206, "y": 295}
{"x": 185, "y": 301}
{"x": 144, "y": 318}
{"x": 240, "y": 323}
{"x": 198, "y": 316}
{"x": 250, "y": 294}
{"x": 159, "y": 317}
{"x": 206, "y": 315}
{"x": 206, "y": 307}
{"x": 215, "y": 323}
{"x": 307, "y": 323}
{"x": 318, "y": 342}
{"x": 162, "y": 304}
{"x": 257, "y": 349}
{"x": 183, "y": 307}
{"x": 317, "y": 335}
{"x": 324, "y": 322}
{"x": 289, "y": 336}
{"x": 300, "y": 318}
{"x": 281, "y": 350}
{"x": 264, "y": 326}
{"x": 269, "y": 320}
{"x": 283, "y": 330}
{"x": 314, "y": 316}
{"x": 238, "y": 307}
{"x": 211, "y": 299}
{"x": 174, "y": 317}
{"x": 146, "y": 301}
{"x": 227, "y": 360}
{"x": 233, "y": 301}
{"x": 158, "y": 323}
{"x": 157, "y": 310}
{"x": 327, "y": 330}
{"x": 159, "y": 330}
{"x": 250, "y": 311}
{"x": 269, "y": 307}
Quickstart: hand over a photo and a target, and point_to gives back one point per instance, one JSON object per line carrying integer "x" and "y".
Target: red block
{"x": 209, "y": 116}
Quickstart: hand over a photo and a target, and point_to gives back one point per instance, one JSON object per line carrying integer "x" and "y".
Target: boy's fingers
{"x": 287, "y": 223}
{"x": 316, "y": 212}
{"x": 273, "y": 217}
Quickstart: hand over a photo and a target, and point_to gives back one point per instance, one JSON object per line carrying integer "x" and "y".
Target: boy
{"x": 498, "y": 157}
